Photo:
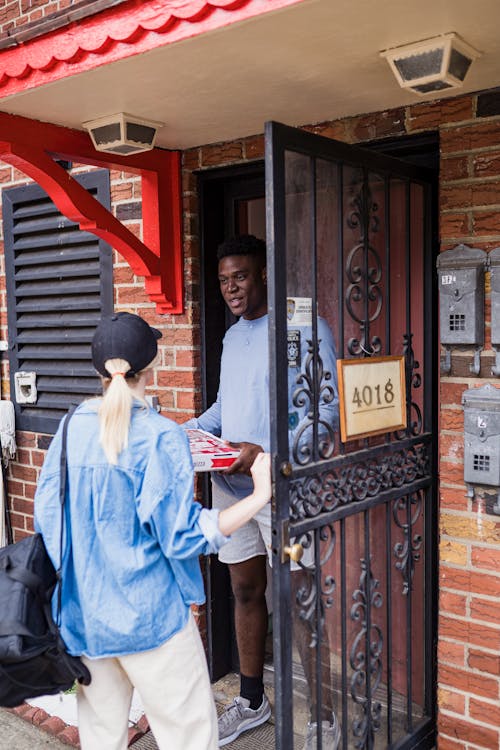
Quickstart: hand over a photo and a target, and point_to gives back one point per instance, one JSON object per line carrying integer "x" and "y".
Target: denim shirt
{"x": 132, "y": 534}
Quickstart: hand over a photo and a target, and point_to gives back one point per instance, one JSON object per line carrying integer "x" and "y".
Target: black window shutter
{"x": 59, "y": 283}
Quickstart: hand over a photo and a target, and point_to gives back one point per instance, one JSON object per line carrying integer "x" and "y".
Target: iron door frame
{"x": 279, "y": 139}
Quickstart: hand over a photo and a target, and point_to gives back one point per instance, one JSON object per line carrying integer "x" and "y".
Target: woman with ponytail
{"x": 133, "y": 535}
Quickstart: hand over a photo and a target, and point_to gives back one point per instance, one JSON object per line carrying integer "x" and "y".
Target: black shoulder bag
{"x": 33, "y": 657}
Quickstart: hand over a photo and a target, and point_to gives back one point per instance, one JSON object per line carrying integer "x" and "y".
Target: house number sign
{"x": 372, "y": 397}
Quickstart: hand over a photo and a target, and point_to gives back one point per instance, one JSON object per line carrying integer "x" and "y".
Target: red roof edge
{"x": 124, "y": 30}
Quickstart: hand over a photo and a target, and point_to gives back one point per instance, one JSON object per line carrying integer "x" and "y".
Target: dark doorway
{"x": 232, "y": 202}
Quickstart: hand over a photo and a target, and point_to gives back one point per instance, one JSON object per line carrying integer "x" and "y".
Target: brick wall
{"x": 469, "y": 575}
{"x": 469, "y": 626}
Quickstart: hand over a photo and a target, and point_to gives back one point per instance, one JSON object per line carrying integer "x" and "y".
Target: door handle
{"x": 294, "y": 552}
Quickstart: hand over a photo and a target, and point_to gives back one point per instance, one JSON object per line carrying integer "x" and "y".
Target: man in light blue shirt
{"x": 240, "y": 415}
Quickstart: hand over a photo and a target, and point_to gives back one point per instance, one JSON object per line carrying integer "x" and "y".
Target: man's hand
{"x": 242, "y": 465}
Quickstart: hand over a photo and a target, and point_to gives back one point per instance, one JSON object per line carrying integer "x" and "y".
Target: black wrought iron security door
{"x": 348, "y": 237}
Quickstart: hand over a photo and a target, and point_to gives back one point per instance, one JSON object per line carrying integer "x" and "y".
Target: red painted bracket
{"x": 33, "y": 146}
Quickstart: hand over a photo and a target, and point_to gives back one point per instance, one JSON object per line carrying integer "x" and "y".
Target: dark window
{"x": 59, "y": 283}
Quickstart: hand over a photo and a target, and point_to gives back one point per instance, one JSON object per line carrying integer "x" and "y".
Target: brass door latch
{"x": 289, "y": 551}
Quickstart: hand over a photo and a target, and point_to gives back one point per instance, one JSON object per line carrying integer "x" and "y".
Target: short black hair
{"x": 243, "y": 244}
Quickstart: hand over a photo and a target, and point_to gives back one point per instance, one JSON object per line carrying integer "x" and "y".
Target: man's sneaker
{"x": 330, "y": 735}
{"x": 238, "y": 717}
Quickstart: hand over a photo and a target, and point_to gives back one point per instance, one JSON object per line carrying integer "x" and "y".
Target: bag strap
{"x": 63, "y": 480}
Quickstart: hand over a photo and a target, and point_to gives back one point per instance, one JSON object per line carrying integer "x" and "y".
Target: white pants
{"x": 174, "y": 687}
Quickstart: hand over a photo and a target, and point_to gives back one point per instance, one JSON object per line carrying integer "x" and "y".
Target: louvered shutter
{"x": 59, "y": 283}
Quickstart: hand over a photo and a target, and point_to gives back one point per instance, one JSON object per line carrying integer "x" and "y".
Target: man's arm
{"x": 210, "y": 420}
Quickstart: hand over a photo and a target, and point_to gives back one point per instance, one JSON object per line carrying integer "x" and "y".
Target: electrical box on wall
{"x": 25, "y": 387}
{"x": 482, "y": 438}
{"x": 461, "y": 300}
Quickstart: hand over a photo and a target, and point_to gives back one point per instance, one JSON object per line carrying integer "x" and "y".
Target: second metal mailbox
{"x": 494, "y": 258}
{"x": 482, "y": 435}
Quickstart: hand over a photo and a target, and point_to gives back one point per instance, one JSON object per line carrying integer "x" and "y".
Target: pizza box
{"x": 210, "y": 453}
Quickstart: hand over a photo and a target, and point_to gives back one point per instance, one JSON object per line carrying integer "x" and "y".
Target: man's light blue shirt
{"x": 241, "y": 411}
{"x": 133, "y": 534}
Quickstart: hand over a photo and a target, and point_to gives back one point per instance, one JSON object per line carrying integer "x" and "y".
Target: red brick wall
{"x": 469, "y": 621}
{"x": 469, "y": 626}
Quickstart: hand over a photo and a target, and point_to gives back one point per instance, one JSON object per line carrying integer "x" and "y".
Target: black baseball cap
{"x": 125, "y": 336}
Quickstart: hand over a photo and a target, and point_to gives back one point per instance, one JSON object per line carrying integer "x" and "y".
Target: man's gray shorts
{"x": 252, "y": 539}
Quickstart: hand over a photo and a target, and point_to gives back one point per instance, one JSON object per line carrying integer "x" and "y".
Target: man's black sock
{"x": 252, "y": 688}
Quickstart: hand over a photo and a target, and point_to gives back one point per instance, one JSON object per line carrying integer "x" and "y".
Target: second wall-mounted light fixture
{"x": 437, "y": 64}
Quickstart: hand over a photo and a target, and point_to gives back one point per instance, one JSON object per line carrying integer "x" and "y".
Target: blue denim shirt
{"x": 132, "y": 534}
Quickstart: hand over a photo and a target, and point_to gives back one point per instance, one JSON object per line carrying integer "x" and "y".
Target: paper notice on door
{"x": 299, "y": 311}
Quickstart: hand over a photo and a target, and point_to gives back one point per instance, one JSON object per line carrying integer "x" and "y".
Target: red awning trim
{"x": 31, "y": 147}
{"x": 122, "y": 31}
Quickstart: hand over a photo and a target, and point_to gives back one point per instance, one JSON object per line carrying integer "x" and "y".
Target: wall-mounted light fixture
{"x": 122, "y": 133}
{"x": 436, "y": 64}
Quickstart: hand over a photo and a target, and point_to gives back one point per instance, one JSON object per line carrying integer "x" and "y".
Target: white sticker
{"x": 448, "y": 278}
{"x": 482, "y": 423}
{"x": 299, "y": 311}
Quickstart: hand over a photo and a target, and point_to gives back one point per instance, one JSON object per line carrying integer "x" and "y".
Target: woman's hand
{"x": 261, "y": 475}
{"x": 238, "y": 514}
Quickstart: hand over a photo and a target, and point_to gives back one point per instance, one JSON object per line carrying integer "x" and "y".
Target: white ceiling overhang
{"x": 307, "y": 62}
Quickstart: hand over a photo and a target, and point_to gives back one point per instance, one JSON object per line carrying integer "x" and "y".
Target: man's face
{"x": 242, "y": 281}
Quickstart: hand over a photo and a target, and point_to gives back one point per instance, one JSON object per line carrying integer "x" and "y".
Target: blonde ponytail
{"x": 115, "y": 409}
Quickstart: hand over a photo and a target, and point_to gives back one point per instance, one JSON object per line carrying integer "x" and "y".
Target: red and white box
{"x": 210, "y": 453}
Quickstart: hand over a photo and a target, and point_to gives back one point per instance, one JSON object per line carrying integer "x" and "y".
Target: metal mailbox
{"x": 494, "y": 261}
{"x": 482, "y": 437}
{"x": 461, "y": 299}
